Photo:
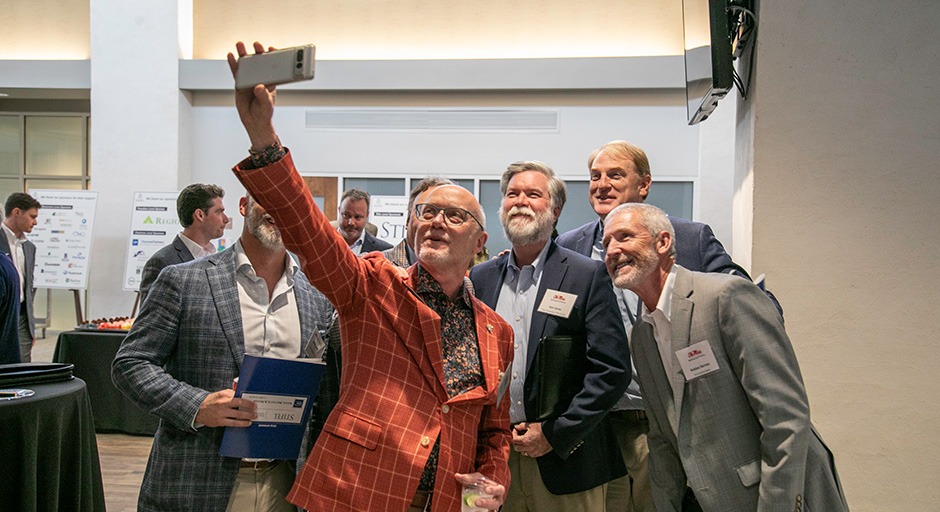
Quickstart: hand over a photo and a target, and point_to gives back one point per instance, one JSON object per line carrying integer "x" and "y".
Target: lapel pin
{"x": 489, "y": 328}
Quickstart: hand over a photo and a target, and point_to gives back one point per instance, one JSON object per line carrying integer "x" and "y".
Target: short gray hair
{"x": 653, "y": 219}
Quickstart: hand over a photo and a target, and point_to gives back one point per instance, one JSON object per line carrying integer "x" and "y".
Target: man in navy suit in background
{"x": 203, "y": 218}
{"x": 353, "y": 214}
{"x": 620, "y": 173}
{"x": 563, "y": 463}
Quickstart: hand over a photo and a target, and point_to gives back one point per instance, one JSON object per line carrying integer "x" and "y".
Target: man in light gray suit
{"x": 202, "y": 215}
{"x": 726, "y": 403}
{"x": 186, "y": 347}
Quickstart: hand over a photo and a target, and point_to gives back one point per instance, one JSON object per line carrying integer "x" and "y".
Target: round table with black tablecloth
{"x": 48, "y": 450}
{"x": 91, "y": 351}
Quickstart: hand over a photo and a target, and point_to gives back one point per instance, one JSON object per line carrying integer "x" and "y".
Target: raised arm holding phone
{"x": 417, "y": 414}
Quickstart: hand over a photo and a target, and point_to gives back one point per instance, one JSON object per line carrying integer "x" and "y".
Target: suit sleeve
{"x": 148, "y": 275}
{"x": 667, "y": 476}
{"x": 763, "y": 359}
{"x": 138, "y": 369}
{"x": 608, "y": 373}
{"x": 324, "y": 257}
{"x": 493, "y": 436}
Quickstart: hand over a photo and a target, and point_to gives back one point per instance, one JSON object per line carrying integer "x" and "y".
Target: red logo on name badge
{"x": 559, "y": 297}
{"x": 693, "y": 353}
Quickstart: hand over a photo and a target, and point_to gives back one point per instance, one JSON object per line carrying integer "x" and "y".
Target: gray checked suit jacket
{"x": 29, "y": 253}
{"x": 745, "y": 442}
{"x": 187, "y": 342}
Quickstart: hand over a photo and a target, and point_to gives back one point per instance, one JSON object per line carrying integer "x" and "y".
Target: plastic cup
{"x": 469, "y": 496}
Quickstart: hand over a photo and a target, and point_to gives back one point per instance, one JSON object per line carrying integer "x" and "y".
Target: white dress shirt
{"x": 661, "y": 322}
{"x": 271, "y": 327}
{"x": 198, "y": 251}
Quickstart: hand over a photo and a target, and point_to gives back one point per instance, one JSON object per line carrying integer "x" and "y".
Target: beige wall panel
{"x": 425, "y": 29}
{"x": 846, "y": 145}
{"x": 45, "y": 30}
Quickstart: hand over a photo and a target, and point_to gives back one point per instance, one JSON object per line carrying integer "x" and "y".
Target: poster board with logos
{"x": 154, "y": 224}
{"x": 63, "y": 236}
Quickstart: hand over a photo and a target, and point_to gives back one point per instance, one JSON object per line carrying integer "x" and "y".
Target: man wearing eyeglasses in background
{"x": 417, "y": 414}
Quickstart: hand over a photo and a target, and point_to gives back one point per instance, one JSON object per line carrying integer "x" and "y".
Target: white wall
{"x": 846, "y": 187}
{"x": 135, "y": 130}
{"x": 660, "y": 128}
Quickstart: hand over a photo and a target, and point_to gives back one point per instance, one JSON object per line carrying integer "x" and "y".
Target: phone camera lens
{"x": 300, "y": 55}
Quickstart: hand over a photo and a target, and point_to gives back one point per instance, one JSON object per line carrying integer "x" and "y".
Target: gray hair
{"x": 556, "y": 187}
{"x": 653, "y": 219}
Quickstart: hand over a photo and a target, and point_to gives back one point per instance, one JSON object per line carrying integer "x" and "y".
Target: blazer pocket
{"x": 359, "y": 431}
{"x": 749, "y": 472}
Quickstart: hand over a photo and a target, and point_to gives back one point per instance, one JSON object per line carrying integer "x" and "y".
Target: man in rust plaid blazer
{"x": 398, "y": 415}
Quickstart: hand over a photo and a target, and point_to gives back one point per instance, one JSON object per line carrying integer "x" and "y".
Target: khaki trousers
{"x": 631, "y": 493}
{"x": 527, "y": 493}
{"x": 262, "y": 490}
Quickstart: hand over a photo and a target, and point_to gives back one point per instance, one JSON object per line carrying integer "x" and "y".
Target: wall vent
{"x": 433, "y": 120}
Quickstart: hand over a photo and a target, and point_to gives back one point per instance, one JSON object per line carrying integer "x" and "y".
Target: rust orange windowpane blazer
{"x": 392, "y": 403}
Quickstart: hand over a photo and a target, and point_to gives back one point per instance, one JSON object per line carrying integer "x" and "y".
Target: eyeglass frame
{"x": 417, "y": 213}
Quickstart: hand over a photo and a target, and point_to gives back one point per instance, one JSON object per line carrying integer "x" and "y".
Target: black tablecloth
{"x": 48, "y": 450}
{"x": 92, "y": 352}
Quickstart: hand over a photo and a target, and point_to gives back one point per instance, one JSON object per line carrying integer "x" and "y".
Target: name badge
{"x": 697, "y": 360}
{"x": 557, "y": 303}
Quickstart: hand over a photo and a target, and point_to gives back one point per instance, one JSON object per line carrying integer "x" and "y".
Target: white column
{"x": 136, "y": 114}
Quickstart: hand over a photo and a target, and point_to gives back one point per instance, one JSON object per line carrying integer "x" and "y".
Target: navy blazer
{"x": 371, "y": 243}
{"x": 584, "y": 452}
{"x": 697, "y": 248}
{"x": 29, "y": 292}
{"x": 172, "y": 254}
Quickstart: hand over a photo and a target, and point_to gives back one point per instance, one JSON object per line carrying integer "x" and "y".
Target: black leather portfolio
{"x": 560, "y": 365}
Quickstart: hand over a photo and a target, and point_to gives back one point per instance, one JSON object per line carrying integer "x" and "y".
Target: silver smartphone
{"x": 276, "y": 67}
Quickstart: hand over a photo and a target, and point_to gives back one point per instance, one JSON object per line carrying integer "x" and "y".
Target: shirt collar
{"x": 13, "y": 239}
{"x": 537, "y": 265}
{"x": 665, "y": 297}
{"x": 426, "y": 284}
{"x": 243, "y": 264}
{"x": 359, "y": 241}
{"x": 192, "y": 244}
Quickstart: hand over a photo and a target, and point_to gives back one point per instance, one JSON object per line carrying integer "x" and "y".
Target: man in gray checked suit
{"x": 726, "y": 403}
{"x": 186, "y": 347}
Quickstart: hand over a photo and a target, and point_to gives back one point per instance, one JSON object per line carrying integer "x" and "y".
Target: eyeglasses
{"x": 453, "y": 215}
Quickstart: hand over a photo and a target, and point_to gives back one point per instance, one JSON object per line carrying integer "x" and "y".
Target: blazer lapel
{"x": 680, "y": 326}
{"x": 224, "y": 293}
{"x": 646, "y": 351}
{"x": 305, "y": 309}
{"x": 426, "y": 348}
{"x": 553, "y": 273}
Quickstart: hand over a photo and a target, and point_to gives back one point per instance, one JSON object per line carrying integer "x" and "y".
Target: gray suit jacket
{"x": 745, "y": 442}
{"x": 29, "y": 251}
{"x": 188, "y": 342}
{"x": 172, "y": 254}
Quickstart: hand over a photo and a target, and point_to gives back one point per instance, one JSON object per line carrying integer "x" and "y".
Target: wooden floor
{"x": 123, "y": 457}
{"x": 123, "y": 460}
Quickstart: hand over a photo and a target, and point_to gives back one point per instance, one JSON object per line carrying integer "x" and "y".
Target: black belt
{"x": 258, "y": 464}
{"x": 630, "y": 414}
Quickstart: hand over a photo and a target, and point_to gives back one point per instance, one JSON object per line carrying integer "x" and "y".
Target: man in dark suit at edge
{"x": 203, "y": 218}
{"x": 560, "y": 464}
{"x": 20, "y": 213}
{"x": 620, "y": 173}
